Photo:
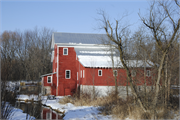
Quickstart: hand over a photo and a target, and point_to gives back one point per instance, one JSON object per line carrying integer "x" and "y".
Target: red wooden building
{"x": 80, "y": 61}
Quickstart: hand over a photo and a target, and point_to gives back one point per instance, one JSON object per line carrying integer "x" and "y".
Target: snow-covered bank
{"x": 16, "y": 113}
{"x": 76, "y": 112}
{"x": 19, "y": 115}
{"x": 27, "y": 97}
{"x": 70, "y": 111}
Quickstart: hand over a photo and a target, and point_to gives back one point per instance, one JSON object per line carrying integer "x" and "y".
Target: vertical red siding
{"x": 67, "y": 62}
{"x": 45, "y": 81}
{"x": 71, "y": 62}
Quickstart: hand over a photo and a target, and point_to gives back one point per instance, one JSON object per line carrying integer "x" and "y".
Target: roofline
{"x": 113, "y": 67}
{"x": 48, "y": 74}
{"x": 82, "y": 33}
{"x": 81, "y": 45}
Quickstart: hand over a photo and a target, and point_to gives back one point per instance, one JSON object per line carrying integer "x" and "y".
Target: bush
{"x": 66, "y": 99}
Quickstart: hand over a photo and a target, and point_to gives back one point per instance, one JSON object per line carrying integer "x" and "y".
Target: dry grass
{"x": 66, "y": 99}
{"x": 164, "y": 114}
{"x": 118, "y": 107}
{"x": 22, "y": 84}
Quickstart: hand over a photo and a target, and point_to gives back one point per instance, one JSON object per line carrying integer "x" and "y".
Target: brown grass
{"x": 66, "y": 99}
{"x": 118, "y": 107}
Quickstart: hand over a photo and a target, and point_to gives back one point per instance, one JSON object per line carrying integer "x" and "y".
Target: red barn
{"x": 80, "y": 61}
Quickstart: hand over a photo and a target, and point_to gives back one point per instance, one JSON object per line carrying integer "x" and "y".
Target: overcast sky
{"x": 68, "y": 16}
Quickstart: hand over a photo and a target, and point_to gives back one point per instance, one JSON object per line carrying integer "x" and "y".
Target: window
{"x": 114, "y": 72}
{"x": 77, "y": 75}
{"x": 99, "y": 72}
{"x": 148, "y": 73}
{"x": 133, "y": 73}
{"x": 65, "y": 51}
{"x": 49, "y": 79}
{"x": 83, "y": 73}
{"x": 68, "y": 74}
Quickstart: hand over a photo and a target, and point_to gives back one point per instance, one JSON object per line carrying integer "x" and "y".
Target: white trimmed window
{"x": 83, "y": 73}
{"x": 99, "y": 72}
{"x": 115, "y": 73}
{"x": 148, "y": 73}
{"x": 49, "y": 79}
{"x": 77, "y": 75}
{"x": 133, "y": 73}
{"x": 68, "y": 74}
{"x": 65, "y": 51}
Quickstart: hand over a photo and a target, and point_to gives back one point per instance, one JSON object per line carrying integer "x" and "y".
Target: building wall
{"x": 108, "y": 79}
{"x": 85, "y": 76}
{"x": 105, "y": 90}
{"x": 47, "y": 90}
{"x": 50, "y": 87}
{"x": 67, "y": 62}
{"x": 45, "y": 81}
{"x": 55, "y": 59}
{"x": 54, "y": 84}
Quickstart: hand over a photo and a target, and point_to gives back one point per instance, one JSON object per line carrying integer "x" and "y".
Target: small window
{"x": 133, "y": 73}
{"x": 65, "y": 51}
{"x": 83, "y": 74}
{"x": 68, "y": 74}
{"x": 77, "y": 75}
{"x": 148, "y": 73}
{"x": 49, "y": 79}
{"x": 99, "y": 72}
{"x": 114, "y": 72}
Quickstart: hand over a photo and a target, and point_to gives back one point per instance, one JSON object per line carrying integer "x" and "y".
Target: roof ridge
{"x": 80, "y": 33}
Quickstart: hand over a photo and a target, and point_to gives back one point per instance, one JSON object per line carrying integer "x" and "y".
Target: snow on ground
{"x": 71, "y": 112}
{"x": 19, "y": 115}
{"x": 77, "y": 112}
{"x": 27, "y": 97}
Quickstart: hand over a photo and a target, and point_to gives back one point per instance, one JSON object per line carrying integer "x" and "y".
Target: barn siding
{"x": 71, "y": 62}
{"x": 67, "y": 62}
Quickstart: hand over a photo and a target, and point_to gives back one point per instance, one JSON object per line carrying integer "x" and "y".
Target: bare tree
{"x": 117, "y": 39}
{"x": 25, "y": 56}
{"x": 160, "y": 31}
{"x": 159, "y": 15}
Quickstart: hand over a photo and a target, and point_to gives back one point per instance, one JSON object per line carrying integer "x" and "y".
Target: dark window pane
{"x": 67, "y": 74}
{"x": 100, "y": 73}
{"x": 65, "y": 51}
{"x": 115, "y": 73}
{"x": 49, "y": 79}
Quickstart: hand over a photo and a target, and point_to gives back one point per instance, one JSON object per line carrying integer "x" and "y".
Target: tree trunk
{"x": 166, "y": 79}
{"x": 154, "y": 116}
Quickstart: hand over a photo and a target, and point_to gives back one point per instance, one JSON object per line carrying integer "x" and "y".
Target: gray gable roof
{"x": 83, "y": 38}
{"x": 92, "y": 51}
